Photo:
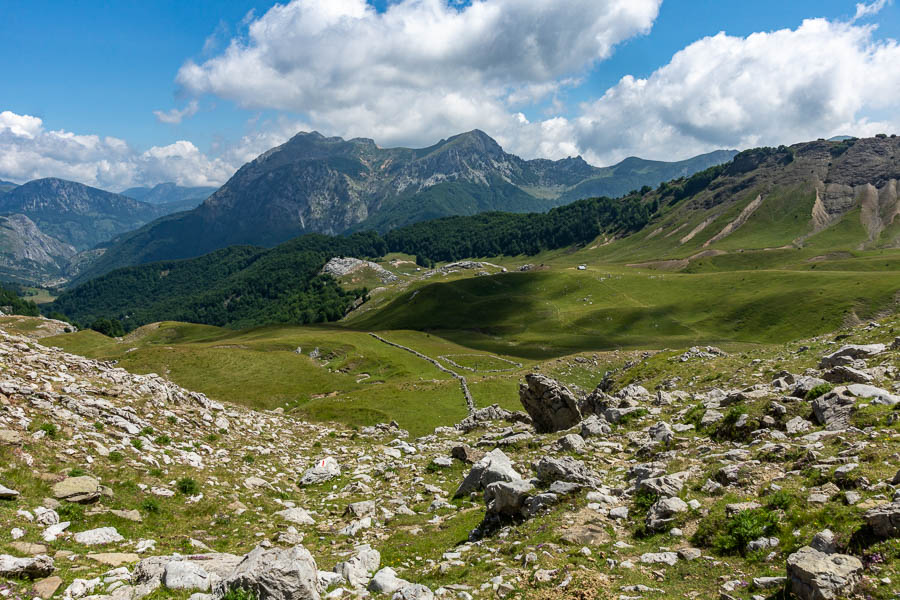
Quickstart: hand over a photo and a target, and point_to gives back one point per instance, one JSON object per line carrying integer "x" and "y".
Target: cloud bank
{"x": 426, "y": 69}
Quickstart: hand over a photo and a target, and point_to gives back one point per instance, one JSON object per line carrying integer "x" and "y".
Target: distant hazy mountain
{"x": 5, "y": 186}
{"x": 27, "y": 255}
{"x": 331, "y": 185}
{"x": 169, "y": 193}
{"x": 77, "y": 214}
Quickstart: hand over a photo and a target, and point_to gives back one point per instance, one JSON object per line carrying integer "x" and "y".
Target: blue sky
{"x": 102, "y": 69}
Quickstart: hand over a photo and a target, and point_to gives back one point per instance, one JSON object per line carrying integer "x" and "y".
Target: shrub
{"x": 249, "y": 459}
{"x": 163, "y": 440}
{"x": 819, "y": 390}
{"x": 150, "y": 506}
{"x": 187, "y": 486}
{"x": 99, "y": 426}
{"x": 147, "y": 431}
{"x": 779, "y": 500}
{"x": 731, "y": 536}
{"x": 239, "y": 594}
{"x": 644, "y": 499}
{"x": 138, "y": 443}
{"x": 115, "y": 456}
{"x": 77, "y": 472}
{"x": 50, "y": 429}
{"x": 71, "y": 512}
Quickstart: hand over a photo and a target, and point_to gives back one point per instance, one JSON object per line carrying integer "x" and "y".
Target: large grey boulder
{"x": 494, "y": 466}
{"x": 815, "y": 575}
{"x": 845, "y": 374}
{"x": 507, "y": 498}
{"x": 148, "y": 575}
{"x": 551, "y": 405}
{"x": 97, "y": 537}
{"x": 413, "y": 591}
{"x": 804, "y": 384}
{"x": 662, "y": 513}
{"x": 485, "y": 415}
{"x": 666, "y": 485}
{"x": 37, "y": 566}
{"x": 849, "y": 353}
{"x": 833, "y": 409}
{"x": 885, "y": 519}
{"x": 565, "y": 469}
{"x": 77, "y": 489}
{"x": 185, "y": 575}
{"x": 7, "y": 494}
{"x": 386, "y": 581}
{"x": 275, "y": 574}
{"x": 359, "y": 569}
{"x": 876, "y": 395}
{"x": 594, "y": 426}
{"x": 325, "y": 468}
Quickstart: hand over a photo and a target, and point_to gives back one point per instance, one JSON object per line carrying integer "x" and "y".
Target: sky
{"x": 131, "y": 93}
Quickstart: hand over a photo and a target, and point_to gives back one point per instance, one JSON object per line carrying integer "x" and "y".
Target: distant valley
{"x": 53, "y": 227}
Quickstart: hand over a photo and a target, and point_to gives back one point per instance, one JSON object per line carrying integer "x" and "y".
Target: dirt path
{"x": 470, "y": 402}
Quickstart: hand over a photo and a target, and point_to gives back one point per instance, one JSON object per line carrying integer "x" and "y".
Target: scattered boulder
{"x": 885, "y": 519}
{"x": 37, "y": 566}
{"x": 571, "y": 442}
{"x": 274, "y": 574}
{"x": 96, "y": 537}
{"x": 849, "y": 353}
{"x": 490, "y": 413}
{"x": 467, "y": 455}
{"x": 359, "y": 569}
{"x": 550, "y": 404}
{"x": 595, "y": 426}
{"x": 666, "y": 485}
{"x": 7, "y": 494}
{"x": 833, "y": 409}
{"x": 185, "y": 575}
{"x": 77, "y": 489}
{"x": 507, "y": 498}
{"x": 386, "y": 582}
{"x": 565, "y": 469}
{"x": 662, "y": 513}
{"x": 846, "y": 374}
{"x": 815, "y": 575}
{"x": 296, "y": 515}
{"x": 494, "y": 466}
{"x": 325, "y": 469}
{"x": 662, "y": 433}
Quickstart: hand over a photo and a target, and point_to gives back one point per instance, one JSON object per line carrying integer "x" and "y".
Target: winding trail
{"x": 470, "y": 402}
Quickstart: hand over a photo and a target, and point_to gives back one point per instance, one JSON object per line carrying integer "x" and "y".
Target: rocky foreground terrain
{"x": 697, "y": 474}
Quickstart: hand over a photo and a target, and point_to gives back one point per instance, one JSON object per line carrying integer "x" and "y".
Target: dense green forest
{"x": 12, "y": 304}
{"x": 242, "y": 286}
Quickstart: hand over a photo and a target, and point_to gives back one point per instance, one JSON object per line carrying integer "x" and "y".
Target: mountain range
{"x": 169, "y": 193}
{"x": 51, "y": 226}
{"x": 777, "y": 208}
{"x": 330, "y": 185}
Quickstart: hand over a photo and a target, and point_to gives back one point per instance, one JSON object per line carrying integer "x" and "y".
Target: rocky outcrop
{"x": 274, "y": 574}
{"x": 551, "y": 405}
{"x": 815, "y": 575}
{"x": 885, "y": 520}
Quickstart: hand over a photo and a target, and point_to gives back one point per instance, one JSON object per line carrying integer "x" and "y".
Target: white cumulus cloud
{"x": 821, "y": 79}
{"x": 175, "y": 116}
{"x": 30, "y": 151}
{"x": 423, "y": 69}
